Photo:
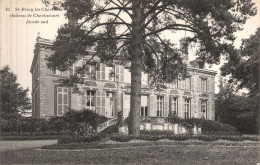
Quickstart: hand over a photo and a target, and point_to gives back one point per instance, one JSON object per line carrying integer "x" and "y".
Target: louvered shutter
{"x": 208, "y": 85}
{"x": 117, "y": 72}
{"x": 192, "y": 83}
{"x": 199, "y": 84}
{"x": 166, "y": 106}
{"x": 152, "y": 105}
{"x": 103, "y": 103}
{"x": 83, "y": 101}
{"x": 103, "y": 71}
{"x": 98, "y": 102}
{"x": 199, "y": 109}
{"x": 121, "y": 74}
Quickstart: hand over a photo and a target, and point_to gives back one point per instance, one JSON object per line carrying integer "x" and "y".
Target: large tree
{"x": 243, "y": 65}
{"x": 134, "y": 30}
{"x": 13, "y": 98}
{"x": 243, "y": 69}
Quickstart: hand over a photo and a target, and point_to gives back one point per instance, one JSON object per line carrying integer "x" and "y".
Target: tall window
{"x": 110, "y": 73}
{"x": 174, "y": 106}
{"x": 187, "y": 83}
{"x": 144, "y": 106}
{"x": 203, "y": 85}
{"x": 90, "y": 71}
{"x": 204, "y": 108}
{"x": 187, "y": 108}
{"x": 160, "y": 106}
{"x": 127, "y": 75}
{"x": 90, "y": 100}
{"x": 62, "y": 100}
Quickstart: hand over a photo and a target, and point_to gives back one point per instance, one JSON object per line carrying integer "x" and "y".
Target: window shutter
{"x": 103, "y": 103}
{"x": 192, "y": 83}
{"x": 208, "y": 85}
{"x": 179, "y": 84}
{"x": 103, "y": 71}
{"x": 153, "y": 104}
{"x": 199, "y": 84}
{"x": 55, "y": 100}
{"x": 98, "y": 102}
{"x": 117, "y": 72}
{"x": 121, "y": 78}
{"x": 166, "y": 106}
{"x": 83, "y": 101}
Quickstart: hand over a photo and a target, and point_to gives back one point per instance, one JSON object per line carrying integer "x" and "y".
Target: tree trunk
{"x": 136, "y": 53}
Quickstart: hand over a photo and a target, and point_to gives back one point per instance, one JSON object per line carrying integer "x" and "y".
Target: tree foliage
{"x": 243, "y": 65}
{"x": 133, "y": 30}
{"x": 238, "y": 111}
{"x": 13, "y": 98}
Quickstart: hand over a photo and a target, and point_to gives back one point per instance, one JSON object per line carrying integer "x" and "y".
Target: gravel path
{"x": 16, "y": 145}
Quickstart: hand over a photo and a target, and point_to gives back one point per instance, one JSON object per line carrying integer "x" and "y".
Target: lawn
{"x": 139, "y": 153}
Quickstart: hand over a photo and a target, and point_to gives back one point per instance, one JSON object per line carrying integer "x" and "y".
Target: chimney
{"x": 184, "y": 49}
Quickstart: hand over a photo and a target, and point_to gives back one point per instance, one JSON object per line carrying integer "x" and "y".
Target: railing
{"x": 106, "y": 124}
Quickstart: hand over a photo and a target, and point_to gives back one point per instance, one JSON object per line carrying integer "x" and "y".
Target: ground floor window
{"x": 144, "y": 106}
{"x": 109, "y": 104}
{"x": 203, "y": 108}
{"x": 62, "y": 100}
{"x": 174, "y": 106}
{"x": 90, "y": 100}
{"x": 160, "y": 107}
{"x": 187, "y": 106}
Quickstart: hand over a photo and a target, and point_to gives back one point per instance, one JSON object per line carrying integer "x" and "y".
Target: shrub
{"x": 83, "y": 124}
{"x": 57, "y": 124}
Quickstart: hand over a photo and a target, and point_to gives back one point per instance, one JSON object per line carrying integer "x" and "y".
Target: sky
{"x": 18, "y": 34}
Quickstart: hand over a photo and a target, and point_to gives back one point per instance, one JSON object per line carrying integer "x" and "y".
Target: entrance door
{"x": 109, "y": 105}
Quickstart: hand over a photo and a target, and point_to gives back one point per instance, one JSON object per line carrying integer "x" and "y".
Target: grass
{"x": 139, "y": 153}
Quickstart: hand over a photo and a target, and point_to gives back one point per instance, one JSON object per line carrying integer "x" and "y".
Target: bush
{"x": 83, "y": 124}
{"x": 207, "y": 126}
{"x": 57, "y": 124}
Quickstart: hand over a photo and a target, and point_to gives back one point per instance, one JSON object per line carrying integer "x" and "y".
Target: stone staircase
{"x": 106, "y": 124}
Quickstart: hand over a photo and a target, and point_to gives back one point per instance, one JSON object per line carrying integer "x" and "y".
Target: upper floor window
{"x": 110, "y": 73}
{"x": 187, "y": 83}
{"x": 203, "y": 84}
{"x": 89, "y": 72}
{"x": 127, "y": 75}
{"x": 55, "y": 71}
{"x": 144, "y": 78}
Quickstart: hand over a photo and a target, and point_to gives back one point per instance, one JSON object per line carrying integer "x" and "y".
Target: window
{"x": 144, "y": 106}
{"x": 203, "y": 108}
{"x": 203, "y": 85}
{"x": 110, "y": 73}
{"x": 187, "y": 108}
{"x": 144, "y": 78}
{"x": 62, "y": 100}
{"x": 160, "y": 106}
{"x": 127, "y": 75}
{"x": 55, "y": 71}
{"x": 90, "y": 72}
{"x": 109, "y": 104}
{"x": 174, "y": 106}
{"x": 90, "y": 100}
{"x": 175, "y": 84}
{"x": 187, "y": 83}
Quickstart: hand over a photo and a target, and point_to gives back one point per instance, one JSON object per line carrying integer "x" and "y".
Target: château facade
{"x": 106, "y": 90}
